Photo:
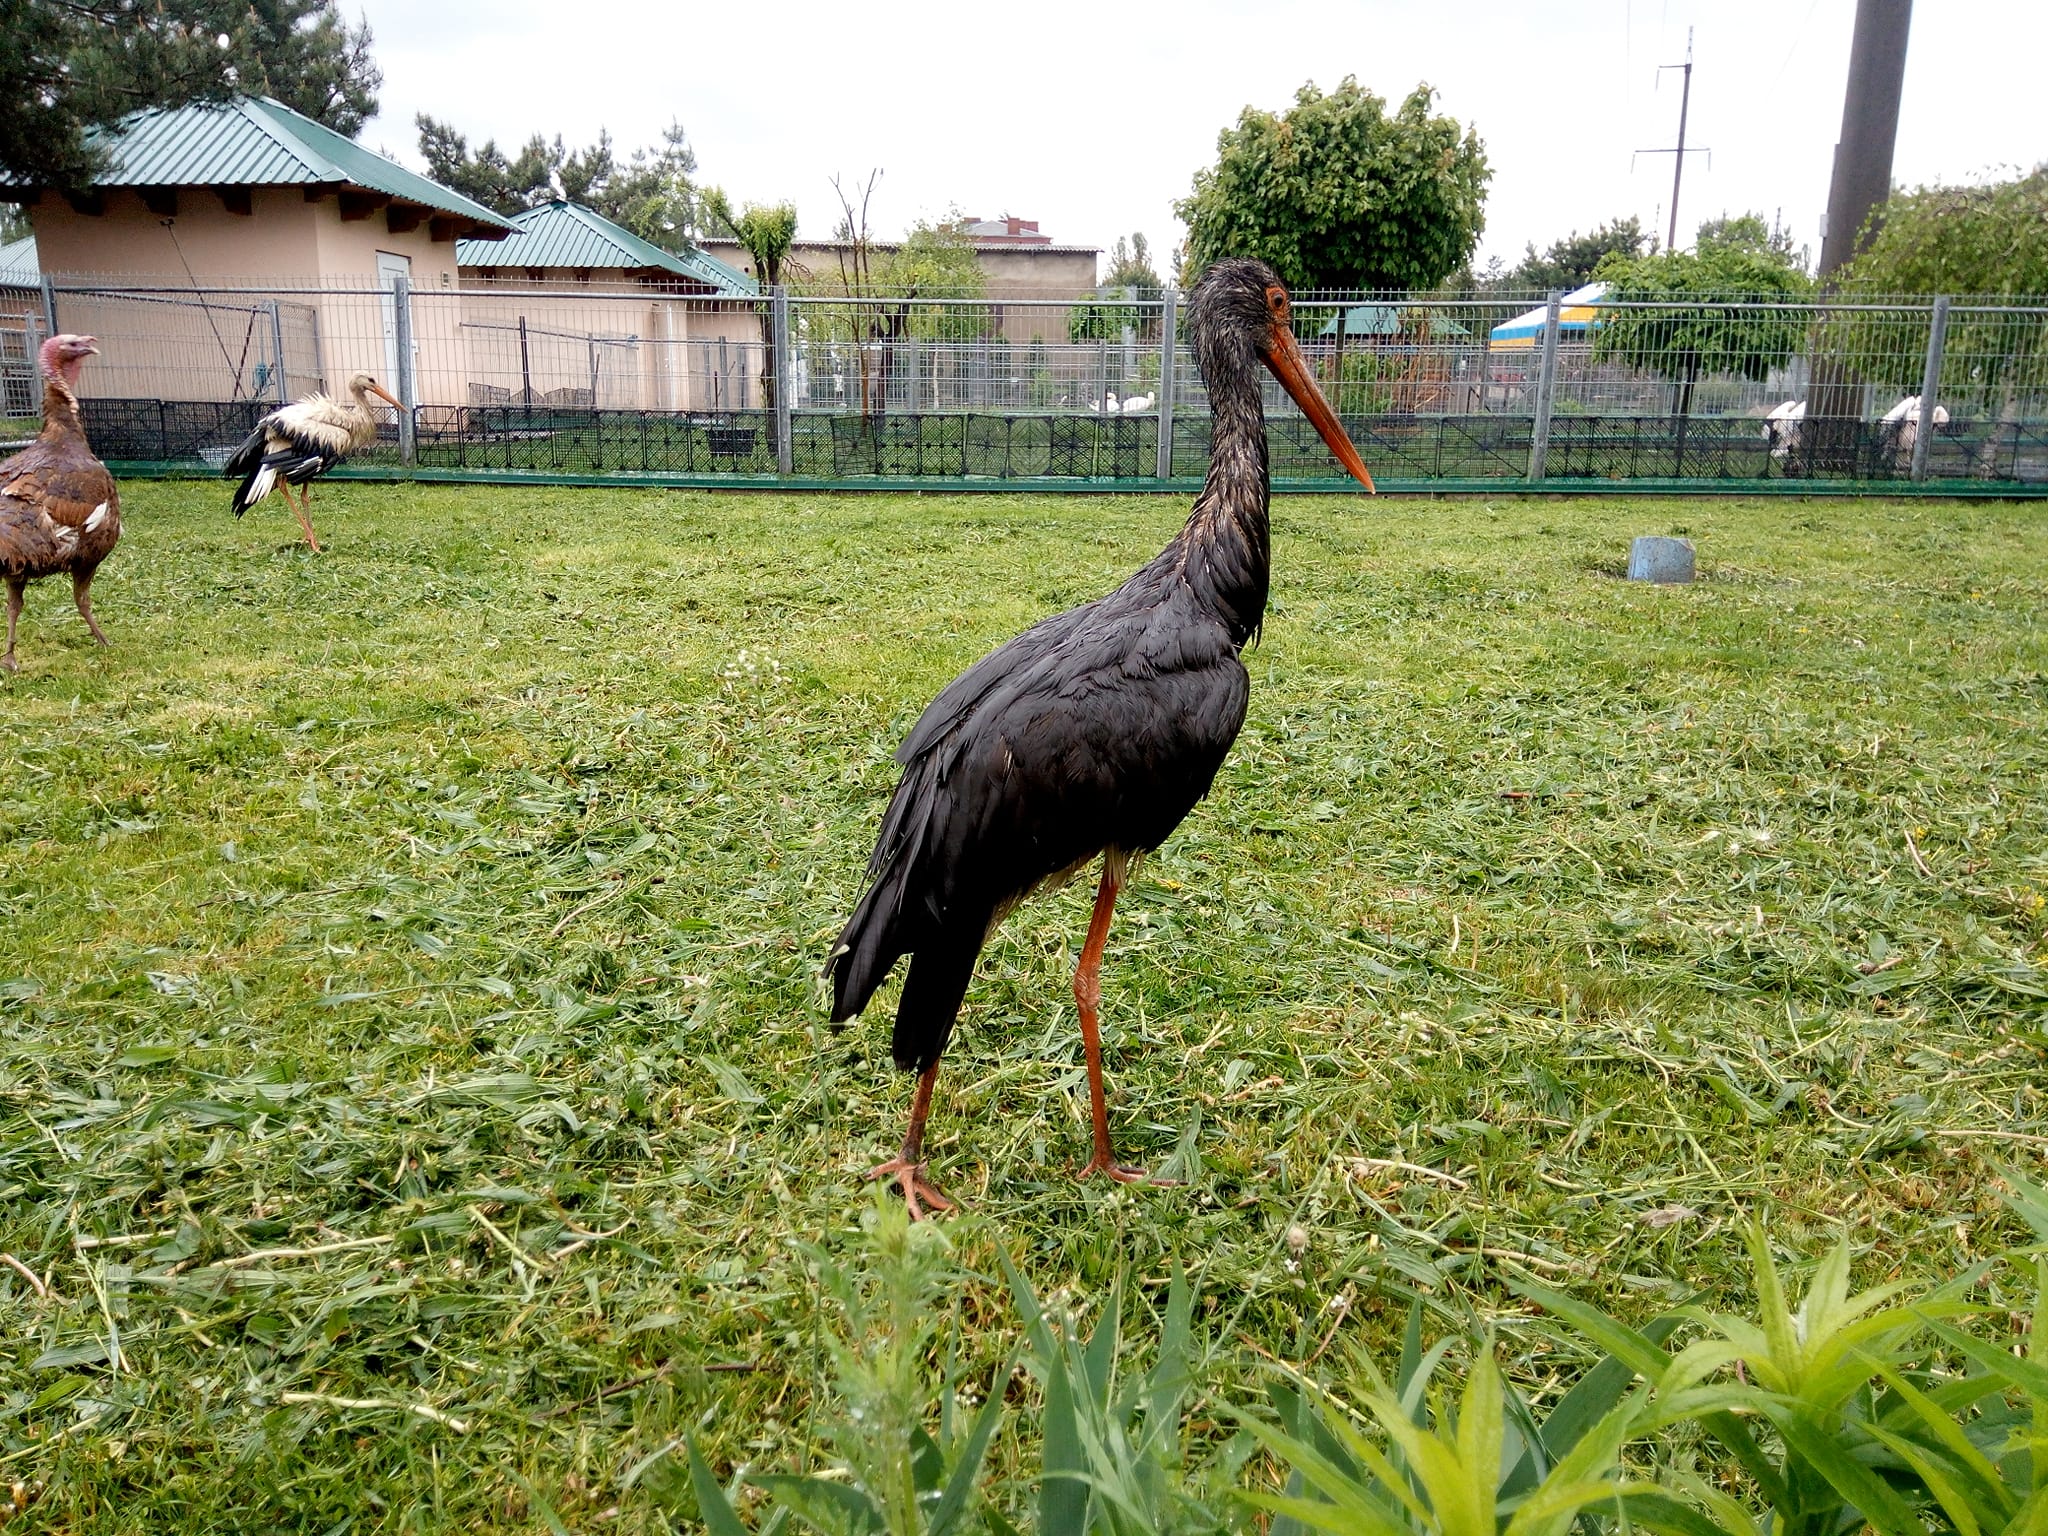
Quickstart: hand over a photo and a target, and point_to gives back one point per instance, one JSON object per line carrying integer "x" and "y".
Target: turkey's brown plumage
{"x": 59, "y": 508}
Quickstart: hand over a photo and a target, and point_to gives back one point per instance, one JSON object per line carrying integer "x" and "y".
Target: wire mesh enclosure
{"x": 642, "y": 380}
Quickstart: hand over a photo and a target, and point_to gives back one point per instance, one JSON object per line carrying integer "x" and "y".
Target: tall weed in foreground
{"x": 1842, "y": 1411}
{"x": 892, "y": 1471}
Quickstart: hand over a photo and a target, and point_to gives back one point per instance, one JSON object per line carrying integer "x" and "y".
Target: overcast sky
{"x": 1092, "y": 119}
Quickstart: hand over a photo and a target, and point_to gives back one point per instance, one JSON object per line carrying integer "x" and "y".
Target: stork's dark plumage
{"x": 297, "y": 442}
{"x": 1091, "y": 734}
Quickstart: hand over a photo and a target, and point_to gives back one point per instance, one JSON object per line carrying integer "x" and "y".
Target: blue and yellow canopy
{"x": 1575, "y": 319}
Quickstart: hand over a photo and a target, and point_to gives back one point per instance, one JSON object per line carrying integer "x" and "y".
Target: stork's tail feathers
{"x": 258, "y": 480}
{"x": 869, "y": 945}
{"x": 875, "y": 938}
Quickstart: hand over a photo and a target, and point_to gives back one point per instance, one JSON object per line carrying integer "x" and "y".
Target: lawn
{"x": 414, "y": 1091}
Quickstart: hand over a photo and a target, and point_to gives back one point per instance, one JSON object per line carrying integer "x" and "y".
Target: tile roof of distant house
{"x": 1004, "y": 231}
{"x": 564, "y": 234}
{"x": 254, "y": 141}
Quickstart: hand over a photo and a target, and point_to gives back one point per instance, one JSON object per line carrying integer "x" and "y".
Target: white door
{"x": 397, "y": 370}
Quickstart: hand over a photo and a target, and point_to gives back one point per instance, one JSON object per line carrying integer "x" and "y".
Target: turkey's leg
{"x": 1088, "y": 995}
{"x": 81, "y": 594}
{"x": 14, "y": 589}
{"x": 907, "y": 1166}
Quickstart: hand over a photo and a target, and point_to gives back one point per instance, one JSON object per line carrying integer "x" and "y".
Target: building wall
{"x": 1011, "y": 271}
{"x": 610, "y": 341}
{"x": 172, "y": 345}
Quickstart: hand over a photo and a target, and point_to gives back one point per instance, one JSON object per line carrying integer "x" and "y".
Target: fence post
{"x": 1930, "y": 384}
{"x": 779, "y": 370}
{"x": 49, "y": 306}
{"x": 277, "y": 352}
{"x": 1546, "y": 386}
{"x": 1169, "y": 323}
{"x": 401, "y": 326}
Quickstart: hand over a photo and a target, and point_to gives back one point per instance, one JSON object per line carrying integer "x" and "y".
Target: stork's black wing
{"x": 1099, "y": 728}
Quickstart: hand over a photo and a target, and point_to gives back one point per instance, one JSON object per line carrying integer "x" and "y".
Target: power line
{"x": 1678, "y": 154}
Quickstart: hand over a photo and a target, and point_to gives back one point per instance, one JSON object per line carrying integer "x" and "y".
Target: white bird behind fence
{"x": 1781, "y": 427}
{"x": 1137, "y": 405}
{"x": 1904, "y": 420}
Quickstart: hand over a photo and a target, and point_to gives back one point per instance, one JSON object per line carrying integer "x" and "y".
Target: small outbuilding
{"x": 199, "y": 200}
{"x": 573, "y": 310}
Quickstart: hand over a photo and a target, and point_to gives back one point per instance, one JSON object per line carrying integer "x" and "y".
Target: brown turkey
{"x": 59, "y": 509}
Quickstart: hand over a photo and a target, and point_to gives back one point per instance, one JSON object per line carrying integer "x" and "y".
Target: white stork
{"x": 1137, "y": 405}
{"x": 295, "y": 443}
{"x": 1904, "y": 421}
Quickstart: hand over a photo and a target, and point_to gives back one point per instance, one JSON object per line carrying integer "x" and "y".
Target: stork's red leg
{"x": 303, "y": 514}
{"x": 907, "y": 1166}
{"x": 1088, "y": 995}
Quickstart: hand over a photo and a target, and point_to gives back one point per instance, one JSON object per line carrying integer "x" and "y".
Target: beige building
{"x": 245, "y": 252}
{"x": 574, "y": 310}
{"x": 1018, "y": 264}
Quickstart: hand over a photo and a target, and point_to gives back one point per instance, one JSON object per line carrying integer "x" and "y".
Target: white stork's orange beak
{"x": 386, "y": 396}
{"x": 1282, "y": 356}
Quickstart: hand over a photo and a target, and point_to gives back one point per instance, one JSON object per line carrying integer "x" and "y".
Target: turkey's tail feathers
{"x": 258, "y": 479}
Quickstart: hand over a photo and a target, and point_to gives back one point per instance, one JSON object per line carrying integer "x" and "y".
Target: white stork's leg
{"x": 303, "y": 514}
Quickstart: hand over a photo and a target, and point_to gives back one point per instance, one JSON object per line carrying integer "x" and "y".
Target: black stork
{"x": 1092, "y": 733}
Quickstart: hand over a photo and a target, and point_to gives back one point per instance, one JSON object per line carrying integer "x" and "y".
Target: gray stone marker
{"x": 1660, "y": 560}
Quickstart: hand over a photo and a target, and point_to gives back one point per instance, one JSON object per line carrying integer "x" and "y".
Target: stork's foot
{"x": 916, "y": 1187}
{"x": 1109, "y": 1167}
{"x": 9, "y": 664}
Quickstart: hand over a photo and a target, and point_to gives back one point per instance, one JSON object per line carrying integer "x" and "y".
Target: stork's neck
{"x": 1225, "y": 547}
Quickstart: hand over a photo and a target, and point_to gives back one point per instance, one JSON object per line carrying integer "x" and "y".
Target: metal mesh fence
{"x": 589, "y": 380}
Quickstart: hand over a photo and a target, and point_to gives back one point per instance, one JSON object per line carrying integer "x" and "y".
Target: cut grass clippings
{"x": 413, "y": 1084}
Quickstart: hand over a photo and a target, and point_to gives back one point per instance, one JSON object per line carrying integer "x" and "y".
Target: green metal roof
{"x": 564, "y": 234}
{"x": 1385, "y": 320}
{"x": 257, "y": 142}
{"x": 19, "y": 265}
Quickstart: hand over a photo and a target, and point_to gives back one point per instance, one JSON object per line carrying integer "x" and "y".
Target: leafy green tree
{"x": 68, "y": 67}
{"x": 651, "y": 194}
{"x": 1570, "y": 263}
{"x": 934, "y": 260}
{"x": 765, "y": 231}
{"x": 1705, "y": 317}
{"x": 1749, "y": 232}
{"x": 1130, "y": 266}
{"x": 503, "y": 183}
{"x": 1989, "y": 241}
{"x": 1337, "y": 192}
{"x": 307, "y": 56}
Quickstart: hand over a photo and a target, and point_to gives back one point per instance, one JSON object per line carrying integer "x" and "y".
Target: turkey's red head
{"x": 64, "y": 355}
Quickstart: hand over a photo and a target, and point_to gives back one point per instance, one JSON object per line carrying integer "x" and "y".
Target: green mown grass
{"x": 451, "y": 905}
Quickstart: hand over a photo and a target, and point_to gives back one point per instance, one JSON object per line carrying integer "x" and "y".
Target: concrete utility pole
{"x": 1678, "y": 154}
{"x": 1862, "y": 181}
{"x": 1870, "y": 126}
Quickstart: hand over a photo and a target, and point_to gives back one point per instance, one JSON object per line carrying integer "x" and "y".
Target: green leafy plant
{"x": 1807, "y": 1373}
{"x": 892, "y": 1470}
{"x": 1481, "y": 1464}
{"x": 1116, "y": 1454}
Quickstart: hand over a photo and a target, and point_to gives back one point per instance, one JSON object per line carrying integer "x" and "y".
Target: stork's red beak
{"x": 1291, "y": 369}
{"x": 386, "y": 396}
